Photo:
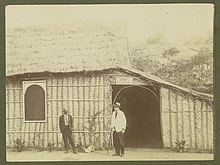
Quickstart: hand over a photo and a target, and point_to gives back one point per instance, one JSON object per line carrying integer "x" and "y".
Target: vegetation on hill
{"x": 189, "y": 64}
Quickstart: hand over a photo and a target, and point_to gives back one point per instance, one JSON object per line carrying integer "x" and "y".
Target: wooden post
{"x": 73, "y": 106}
{"x": 98, "y": 102}
{"x": 169, "y": 102}
{"x": 104, "y": 109}
{"x": 89, "y": 110}
{"x": 202, "y": 126}
{"x": 177, "y": 116}
{"x": 190, "y": 126}
{"x": 78, "y": 106}
{"x": 161, "y": 118}
{"x": 47, "y": 110}
{"x": 207, "y": 127}
{"x": 94, "y": 110}
{"x": 182, "y": 110}
{"x": 83, "y": 90}
{"x": 195, "y": 123}
{"x": 14, "y": 109}
{"x": 51, "y": 111}
{"x": 57, "y": 111}
{"x": 21, "y": 113}
{"x": 8, "y": 121}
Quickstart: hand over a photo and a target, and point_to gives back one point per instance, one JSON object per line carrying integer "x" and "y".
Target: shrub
{"x": 19, "y": 145}
{"x": 181, "y": 145}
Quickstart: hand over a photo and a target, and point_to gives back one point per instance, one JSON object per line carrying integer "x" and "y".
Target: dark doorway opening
{"x": 141, "y": 107}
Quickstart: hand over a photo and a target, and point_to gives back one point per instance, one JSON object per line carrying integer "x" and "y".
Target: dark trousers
{"x": 67, "y": 135}
{"x": 118, "y": 138}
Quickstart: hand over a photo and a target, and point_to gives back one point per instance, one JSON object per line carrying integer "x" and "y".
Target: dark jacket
{"x": 62, "y": 123}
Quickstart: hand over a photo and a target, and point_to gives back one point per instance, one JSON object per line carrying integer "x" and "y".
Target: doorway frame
{"x": 155, "y": 95}
{"x": 129, "y": 86}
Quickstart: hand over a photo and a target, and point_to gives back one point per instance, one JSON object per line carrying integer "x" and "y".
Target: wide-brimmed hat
{"x": 117, "y": 104}
{"x": 65, "y": 110}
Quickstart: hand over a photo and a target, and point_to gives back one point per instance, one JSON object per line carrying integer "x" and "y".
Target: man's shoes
{"x": 122, "y": 155}
{"x": 75, "y": 152}
{"x": 115, "y": 154}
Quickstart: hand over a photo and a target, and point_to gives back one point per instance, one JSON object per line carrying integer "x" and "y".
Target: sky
{"x": 175, "y": 22}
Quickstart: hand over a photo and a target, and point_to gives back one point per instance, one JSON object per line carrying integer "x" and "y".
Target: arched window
{"x": 34, "y": 101}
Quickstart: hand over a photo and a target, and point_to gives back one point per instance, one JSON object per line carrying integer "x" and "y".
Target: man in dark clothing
{"x": 66, "y": 123}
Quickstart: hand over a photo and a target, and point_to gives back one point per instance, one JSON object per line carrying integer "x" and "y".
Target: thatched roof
{"x": 162, "y": 82}
{"x": 66, "y": 48}
{"x": 73, "y": 48}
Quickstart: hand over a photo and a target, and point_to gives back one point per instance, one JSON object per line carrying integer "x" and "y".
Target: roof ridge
{"x": 157, "y": 79}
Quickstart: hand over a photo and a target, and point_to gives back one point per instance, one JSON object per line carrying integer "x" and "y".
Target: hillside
{"x": 189, "y": 64}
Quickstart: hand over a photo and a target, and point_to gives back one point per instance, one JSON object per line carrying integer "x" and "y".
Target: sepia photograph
{"x": 114, "y": 82}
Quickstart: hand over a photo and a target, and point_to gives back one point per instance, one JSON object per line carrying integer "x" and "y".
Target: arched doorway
{"x": 141, "y": 107}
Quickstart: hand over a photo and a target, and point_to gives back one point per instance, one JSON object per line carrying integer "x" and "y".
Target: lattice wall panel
{"x": 82, "y": 96}
{"x": 185, "y": 117}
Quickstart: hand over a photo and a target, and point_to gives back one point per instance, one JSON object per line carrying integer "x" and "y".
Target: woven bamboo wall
{"x": 83, "y": 96}
{"x": 188, "y": 118}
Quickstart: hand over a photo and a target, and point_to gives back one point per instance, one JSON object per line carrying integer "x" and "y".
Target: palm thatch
{"x": 66, "y": 48}
{"x": 162, "y": 82}
{"x": 72, "y": 48}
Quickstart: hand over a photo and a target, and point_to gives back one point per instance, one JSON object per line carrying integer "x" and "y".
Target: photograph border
{"x": 216, "y": 63}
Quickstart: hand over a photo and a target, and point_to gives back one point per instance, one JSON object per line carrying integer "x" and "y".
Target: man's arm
{"x": 60, "y": 123}
{"x": 124, "y": 123}
{"x": 71, "y": 122}
{"x": 112, "y": 120}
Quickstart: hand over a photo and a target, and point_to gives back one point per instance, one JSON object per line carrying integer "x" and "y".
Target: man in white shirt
{"x": 66, "y": 123}
{"x": 118, "y": 125}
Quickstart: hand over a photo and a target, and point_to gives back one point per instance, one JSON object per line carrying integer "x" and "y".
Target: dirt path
{"x": 131, "y": 154}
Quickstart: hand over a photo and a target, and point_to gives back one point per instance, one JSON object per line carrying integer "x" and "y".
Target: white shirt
{"x": 66, "y": 119}
{"x": 119, "y": 122}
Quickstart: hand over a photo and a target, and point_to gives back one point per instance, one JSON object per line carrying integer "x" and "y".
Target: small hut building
{"x": 85, "y": 68}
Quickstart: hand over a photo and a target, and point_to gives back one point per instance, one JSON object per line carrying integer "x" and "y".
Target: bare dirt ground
{"x": 130, "y": 154}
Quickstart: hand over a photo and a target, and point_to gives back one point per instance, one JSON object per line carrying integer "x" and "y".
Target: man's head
{"x": 64, "y": 111}
{"x": 117, "y": 106}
